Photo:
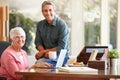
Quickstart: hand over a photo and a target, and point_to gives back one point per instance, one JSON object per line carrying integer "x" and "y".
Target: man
{"x": 51, "y": 34}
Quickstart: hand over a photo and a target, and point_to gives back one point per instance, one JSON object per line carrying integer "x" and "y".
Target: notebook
{"x": 60, "y": 60}
{"x": 83, "y": 70}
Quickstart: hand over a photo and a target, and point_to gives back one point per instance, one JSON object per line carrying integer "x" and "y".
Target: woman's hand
{"x": 42, "y": 64}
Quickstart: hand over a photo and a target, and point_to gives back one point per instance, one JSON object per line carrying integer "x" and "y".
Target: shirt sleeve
{"x": 63, "y": 37}
{"x": 38, "y": 40}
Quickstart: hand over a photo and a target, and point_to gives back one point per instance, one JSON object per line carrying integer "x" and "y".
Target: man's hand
{"x": 46, "y": 55}
{"x": 43, "y": 53}
{"x": 39, "y": 55}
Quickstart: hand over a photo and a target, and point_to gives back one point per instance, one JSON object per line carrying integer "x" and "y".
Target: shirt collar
{"x": 54, "y": 23}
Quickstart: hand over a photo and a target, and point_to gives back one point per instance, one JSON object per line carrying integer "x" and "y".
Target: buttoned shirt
{"x": 52, "y": 36}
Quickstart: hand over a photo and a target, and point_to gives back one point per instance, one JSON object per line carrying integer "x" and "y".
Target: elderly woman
{"x": 14, "y": 58}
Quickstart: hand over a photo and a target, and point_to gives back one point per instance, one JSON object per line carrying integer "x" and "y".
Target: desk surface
{"x": 54, "y": 74}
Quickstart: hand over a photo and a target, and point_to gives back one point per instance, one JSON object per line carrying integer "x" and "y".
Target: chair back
{"x": 3, "y": 46}
{"x": 3, "y": 78}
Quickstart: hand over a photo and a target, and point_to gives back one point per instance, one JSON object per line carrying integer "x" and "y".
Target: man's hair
{"x": 48, "y": 3}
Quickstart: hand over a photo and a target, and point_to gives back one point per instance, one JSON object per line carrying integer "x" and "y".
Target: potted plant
{"x": 113, "y": 55}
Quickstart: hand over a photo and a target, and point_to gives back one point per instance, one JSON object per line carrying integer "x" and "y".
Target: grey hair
{"x": 48, "y": 3}
{"x": 17, "y": 29}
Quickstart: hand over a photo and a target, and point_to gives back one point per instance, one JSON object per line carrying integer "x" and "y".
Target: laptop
{"x": 60, "y": 60}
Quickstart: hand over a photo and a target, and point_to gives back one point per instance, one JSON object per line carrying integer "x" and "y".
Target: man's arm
{"x": 40, "y": 53}
{"x": 63, "y": 37}
{"x": 43, "y": 52}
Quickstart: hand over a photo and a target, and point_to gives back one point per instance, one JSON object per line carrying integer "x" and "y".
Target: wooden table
{"x": 54, "y": 74}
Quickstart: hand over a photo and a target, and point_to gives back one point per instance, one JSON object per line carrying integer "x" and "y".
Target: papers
{"x": 93, "y": 55}
{"x": 83, "y": 70}
{"x": 79, "y": 65}
{"x": 76, "y": 64}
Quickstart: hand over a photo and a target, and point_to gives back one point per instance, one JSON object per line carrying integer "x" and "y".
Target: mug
{"x": 52, "y": 55}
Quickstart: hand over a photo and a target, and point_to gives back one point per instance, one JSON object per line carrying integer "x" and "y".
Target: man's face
{"x": 48, "y": 12}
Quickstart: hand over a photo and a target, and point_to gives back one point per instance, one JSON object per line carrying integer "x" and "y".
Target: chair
{"x": 3, "y": 46}
{"x": 3, "y": 78}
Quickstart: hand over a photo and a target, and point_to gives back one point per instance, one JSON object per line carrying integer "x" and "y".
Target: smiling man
{"x": 51, "y": 34}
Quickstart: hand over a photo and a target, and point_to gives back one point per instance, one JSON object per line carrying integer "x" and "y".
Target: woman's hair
{"x": 48, "y": 3}
{"x": 17, "y": 29}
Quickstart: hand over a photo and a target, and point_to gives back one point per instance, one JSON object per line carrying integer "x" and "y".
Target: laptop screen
{"x": 61, "y": 58}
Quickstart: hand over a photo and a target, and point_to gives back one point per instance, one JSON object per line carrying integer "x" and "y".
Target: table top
{"x": 107, "y": 73}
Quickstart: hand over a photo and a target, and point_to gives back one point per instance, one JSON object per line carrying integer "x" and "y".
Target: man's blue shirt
{"x": 55, "y": 35}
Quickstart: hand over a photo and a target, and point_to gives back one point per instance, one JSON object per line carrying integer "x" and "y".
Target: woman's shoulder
{"x": 8, "y": 49}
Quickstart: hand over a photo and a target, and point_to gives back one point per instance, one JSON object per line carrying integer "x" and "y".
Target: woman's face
{"x": 48, "y": 12}
{"x": 18, "y": 39}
